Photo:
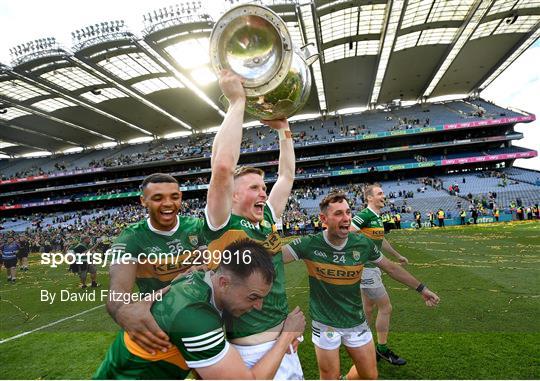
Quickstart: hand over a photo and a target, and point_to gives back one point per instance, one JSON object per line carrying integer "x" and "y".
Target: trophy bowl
{"x": 253, "y": 42}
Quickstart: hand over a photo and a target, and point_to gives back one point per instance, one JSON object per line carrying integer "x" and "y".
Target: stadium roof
{"x": 116, "y": 85}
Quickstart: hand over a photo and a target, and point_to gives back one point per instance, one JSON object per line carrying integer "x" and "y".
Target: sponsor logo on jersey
{"x": 334, "y": 273}
{"x": 247, "y": 224}
{"x": 337, "y": 273}
{"x": 376, "y": 233}
{"x": 169, "y": 268}
{"x": 321, "y": 254}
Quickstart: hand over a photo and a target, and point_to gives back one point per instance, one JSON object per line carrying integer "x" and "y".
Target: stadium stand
{"x": 258, "y": 138}
{"x": 429, "y": 167}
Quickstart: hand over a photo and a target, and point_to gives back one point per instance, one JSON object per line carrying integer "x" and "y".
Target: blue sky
{"x": 23, "y": 20}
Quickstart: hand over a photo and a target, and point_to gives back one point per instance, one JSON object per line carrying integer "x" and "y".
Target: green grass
{"x": 486, "y": 326}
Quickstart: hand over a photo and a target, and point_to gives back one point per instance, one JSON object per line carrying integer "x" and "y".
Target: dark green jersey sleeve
{"x": 360, "y": 220}
{"x": 125, "y": 248}
{"x": 197, "y": 331}
{"x": 299, "y": 247}
{"x": 375, "y": 254}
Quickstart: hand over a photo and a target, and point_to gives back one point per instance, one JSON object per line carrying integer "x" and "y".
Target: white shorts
{"x": 371, "y": 278}
{"x": 329, "y": 338}
{"x": 290, "y": 368}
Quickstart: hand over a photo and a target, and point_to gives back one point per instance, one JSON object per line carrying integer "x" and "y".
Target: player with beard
{"x": 238, "y": 207}
{"x": 369, "y": 223}
{"x": 191, "y": 313}
{"x": 335, "y": 259}
{"x": 140, "y": 255}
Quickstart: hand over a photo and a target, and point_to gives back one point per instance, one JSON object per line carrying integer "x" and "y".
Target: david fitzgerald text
{"x": 92, "y": 295}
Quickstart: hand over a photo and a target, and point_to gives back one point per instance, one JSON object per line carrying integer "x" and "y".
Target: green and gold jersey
{"x": 371, "y": 225}
{"x": 194, "y": 325}
{"x": 334, "y": 276}
{"x": 275, "y": 307}
{"x": 160, "y": 255}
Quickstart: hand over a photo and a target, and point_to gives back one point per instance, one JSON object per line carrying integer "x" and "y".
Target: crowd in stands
{"x": 38, "y": 171}
{"x": 198, "y": 145}
{"x": 61, "y": 230}
{"x": 409, "y": 123}
{"x": 397, "y": 198}
{"x": 195, "y": 146}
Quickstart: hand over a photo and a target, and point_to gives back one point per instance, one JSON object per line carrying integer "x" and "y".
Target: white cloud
{"x": 519, "y": 87}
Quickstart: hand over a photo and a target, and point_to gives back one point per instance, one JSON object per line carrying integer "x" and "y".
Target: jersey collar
{"x": 325, "y": 236}
{"x": 164, "y": 232}
{"x": 372, "y": 211}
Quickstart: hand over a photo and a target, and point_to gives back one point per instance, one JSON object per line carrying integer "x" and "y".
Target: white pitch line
{"x": 48, "y": 325}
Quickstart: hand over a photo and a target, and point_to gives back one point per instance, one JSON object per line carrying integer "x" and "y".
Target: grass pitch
{"x": 486, "y": 326}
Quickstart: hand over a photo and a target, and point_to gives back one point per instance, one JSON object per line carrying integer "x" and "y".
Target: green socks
{"x": 382, "y": 348}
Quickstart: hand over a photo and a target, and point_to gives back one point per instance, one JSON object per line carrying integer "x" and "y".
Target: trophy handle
{"x": 308, "y": 54}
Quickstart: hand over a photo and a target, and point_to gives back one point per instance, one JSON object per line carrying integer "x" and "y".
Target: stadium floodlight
{"x": 99, "y": 33}
{"x": 532, "y": 38}
{"x": 387, "y": 47}
{"x": 466, "y": 33}
{"x": 186, "y": 12}
{"x": 30, "y": 50}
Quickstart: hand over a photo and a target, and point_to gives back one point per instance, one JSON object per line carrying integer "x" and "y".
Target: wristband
{"x": 420, "y": 287}
{"x": 284, "y": 134}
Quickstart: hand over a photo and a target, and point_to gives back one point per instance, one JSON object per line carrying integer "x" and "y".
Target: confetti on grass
{"x": 27, "y": 317}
